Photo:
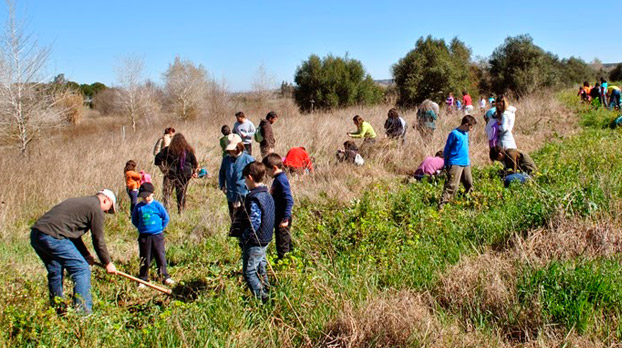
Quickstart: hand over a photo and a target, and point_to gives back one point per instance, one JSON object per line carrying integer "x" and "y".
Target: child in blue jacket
{"x": 283, "y": 202}
{"x": 150, "y": 218}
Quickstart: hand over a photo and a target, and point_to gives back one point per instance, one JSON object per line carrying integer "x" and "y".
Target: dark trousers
{"x": 283, "y": 238}
{"x": 180, "y": 184}
{"x": 133, "y": 194}
{"x": 152, "y": 246}
{"x": 233, "y": 212}
{"x": 167, "y": 190}
{"x": 249, "y": 148}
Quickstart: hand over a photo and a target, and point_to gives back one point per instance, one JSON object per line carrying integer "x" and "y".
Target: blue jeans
{"x": 58, "y": 255}
{"x": 254, "y": 265}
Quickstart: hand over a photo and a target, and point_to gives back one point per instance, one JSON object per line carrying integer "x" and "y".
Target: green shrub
{"x": 330, "y": 82}
{"x": 432, "y": 70}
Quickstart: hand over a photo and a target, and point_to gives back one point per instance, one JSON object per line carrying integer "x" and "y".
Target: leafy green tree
{"x": 432, "y": 70}
{"x": 576, "y": 70}
{"x": 331, "y": 82}
{"x": 616, "y": 73}
{"x": 520, "y": 66}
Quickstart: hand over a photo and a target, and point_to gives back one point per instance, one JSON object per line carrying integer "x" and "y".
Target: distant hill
{"x": 386, "y": 82}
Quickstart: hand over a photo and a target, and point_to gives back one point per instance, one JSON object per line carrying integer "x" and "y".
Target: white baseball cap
{"x": 108, "y": 193}
{"x": 232, "y": 141}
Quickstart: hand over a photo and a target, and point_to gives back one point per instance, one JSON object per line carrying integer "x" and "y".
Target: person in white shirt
{"x": 245, "y": 129}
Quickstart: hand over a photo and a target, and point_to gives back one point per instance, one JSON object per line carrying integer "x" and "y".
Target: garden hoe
{"x": 138, "y": 280}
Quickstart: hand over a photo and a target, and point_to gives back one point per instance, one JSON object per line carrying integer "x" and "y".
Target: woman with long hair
{"x": 506, "y": 116}
{"x": 179, "y": 164}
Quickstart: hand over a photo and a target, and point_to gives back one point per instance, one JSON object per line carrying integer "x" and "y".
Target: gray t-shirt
{"x": 245, "y": 130}
{"x": 71, "y": 219}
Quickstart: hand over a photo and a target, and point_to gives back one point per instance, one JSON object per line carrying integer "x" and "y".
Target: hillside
{"x": 375, "y": 263}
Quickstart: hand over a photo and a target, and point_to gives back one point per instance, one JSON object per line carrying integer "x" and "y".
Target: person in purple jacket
{"x": 431, "y": 166}
{"x": 283, "y": 203}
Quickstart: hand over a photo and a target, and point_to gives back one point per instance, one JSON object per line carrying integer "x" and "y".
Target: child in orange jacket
{"x": 132, "y": 183}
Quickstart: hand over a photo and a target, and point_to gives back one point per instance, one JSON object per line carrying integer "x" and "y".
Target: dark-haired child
{"x": 283, "y": 202}
{"x": 132, "y": 183}
{"x": 457, "y": 160}
{"x": 150, "y": 218}
{"x": 254, "y": 230}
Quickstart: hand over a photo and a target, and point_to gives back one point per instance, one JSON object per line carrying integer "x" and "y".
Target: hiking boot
{"x": 169, "y": 281}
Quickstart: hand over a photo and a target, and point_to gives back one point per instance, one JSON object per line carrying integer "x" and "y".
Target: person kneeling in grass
{"x": 431, "y": 166}
{"x": 150, "y": 218}
{"x": 514, "y": 160}
{"x": 457, "y": 160}
{"x": 254, "y": 230}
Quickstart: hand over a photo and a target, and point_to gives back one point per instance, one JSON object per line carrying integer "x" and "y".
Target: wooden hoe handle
{"x": 138, "y": 280}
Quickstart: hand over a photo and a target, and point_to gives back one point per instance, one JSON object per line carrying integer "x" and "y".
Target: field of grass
{"x": 376, "y": 264}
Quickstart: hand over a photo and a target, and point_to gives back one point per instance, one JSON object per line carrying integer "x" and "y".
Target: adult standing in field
{"x": 393, "y": 126}
{"x": 467, "y": 103}
{"x": 164, "y": 140}
{"x": 230, "y": 178}
{"x": 266, "y": 145}
{"x": 179, "y": 163}
{"x": 506, "y": 116}
{"x": 57, "y": 238}
{"x": 427, "y": 114}
{"x": 245, "y": 129}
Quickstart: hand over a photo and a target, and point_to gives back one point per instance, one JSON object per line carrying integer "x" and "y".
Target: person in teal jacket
{"x": 230, "y": 179}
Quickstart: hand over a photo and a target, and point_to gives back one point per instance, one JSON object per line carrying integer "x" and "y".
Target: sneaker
{"x": 169, "y": 281}
{"x": 142, "y": 286}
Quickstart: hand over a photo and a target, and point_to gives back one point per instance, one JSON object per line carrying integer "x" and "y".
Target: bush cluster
{"x": 329, "y": 82}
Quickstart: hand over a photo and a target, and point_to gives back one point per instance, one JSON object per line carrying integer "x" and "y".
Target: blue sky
{"x": 232, "y": 39}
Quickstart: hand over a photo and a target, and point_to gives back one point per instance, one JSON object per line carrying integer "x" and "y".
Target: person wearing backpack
{"x": 264, "y": 135}
{"x": 179, "y": 164}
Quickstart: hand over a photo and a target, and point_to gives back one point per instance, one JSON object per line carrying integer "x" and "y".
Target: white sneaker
{"x": 169, "y": 281}
{"x": 142, "y": 286}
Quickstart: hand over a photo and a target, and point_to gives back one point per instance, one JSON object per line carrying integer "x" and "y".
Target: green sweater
{"x": 365, "y": 131}
{"x": 71, "y": 219}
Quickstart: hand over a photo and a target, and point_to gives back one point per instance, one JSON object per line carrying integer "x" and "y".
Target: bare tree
{"x": 186, "y": 87}
{"x": 263, "y": 84}
{"x": 26, "y": 103}
{"x": 136, "y": 100}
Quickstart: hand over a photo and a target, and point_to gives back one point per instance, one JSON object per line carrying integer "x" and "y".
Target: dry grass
{"x": 486, "y": 284}
{"x": 84, "y": 158}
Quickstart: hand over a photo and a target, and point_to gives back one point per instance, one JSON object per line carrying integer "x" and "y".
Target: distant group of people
{"x": 601, "y": 94}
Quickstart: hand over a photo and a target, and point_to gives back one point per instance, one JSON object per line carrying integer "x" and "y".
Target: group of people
{"x": 257, "y": 213}
{"x": 601, "y": 94}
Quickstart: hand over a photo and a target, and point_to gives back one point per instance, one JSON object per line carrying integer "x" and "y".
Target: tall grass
{"x": 375, "y": 264}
